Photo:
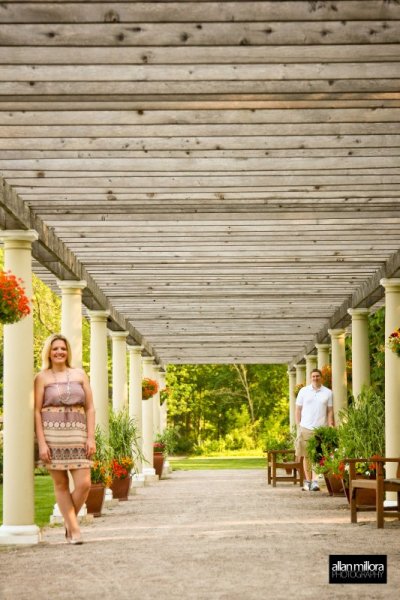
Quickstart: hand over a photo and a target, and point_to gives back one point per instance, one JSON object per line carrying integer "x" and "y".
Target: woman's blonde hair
{"x": 46, "y": 360}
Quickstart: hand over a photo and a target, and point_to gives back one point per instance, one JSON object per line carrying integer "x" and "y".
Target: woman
{"x": 64, "y": 422}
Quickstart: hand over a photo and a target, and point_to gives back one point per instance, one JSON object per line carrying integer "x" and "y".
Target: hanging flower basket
{"x": 14, "y": 304}
{"x": 394, "y": 341}
{"x": 149, "y": 388}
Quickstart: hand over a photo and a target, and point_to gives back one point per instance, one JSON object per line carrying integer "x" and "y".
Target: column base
{"x": 19, "y": 535}
{"x": 138, "y": 480}
{"x": 149, "y": 475}
{"x": 57, "y": 517}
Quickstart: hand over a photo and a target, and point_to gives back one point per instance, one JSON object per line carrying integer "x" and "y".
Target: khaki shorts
{"x": 303, "y": 436}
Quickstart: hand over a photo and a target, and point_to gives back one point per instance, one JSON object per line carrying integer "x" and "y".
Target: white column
{"x": 359, "y": 349}
{"x": 135, "y": 394}
{"x": 99, "y": 365}
{"x": 71, "y": 316}
{"x": 322, "y": 355}
{"x": 119, "y": 370}
{"x": 147, "y": 413}
{"x": 164, "y": 405}
{"x": 311, "y": 363}
{"x": 300, "y": 374}
{"x": 392, "y": 373}
{"x": 292, "y": 398}
{"x": 339, "y": 375}
{"x": 156, "y": 401}
{"x": 18, "y": 488}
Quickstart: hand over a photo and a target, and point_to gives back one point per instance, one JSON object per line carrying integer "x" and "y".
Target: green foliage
{"x": 100, "y": 472}
{"x": 362, "y": 428}
{"x": 225, "y": 407}
{"x": 322, "y": 445}
{"x": 123, "y": 436}
{"x": 169, "y": 438}
{"x": 377, "y": 350}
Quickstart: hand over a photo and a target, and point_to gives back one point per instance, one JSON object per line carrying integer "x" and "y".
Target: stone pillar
{"x": 18, "y": 488}
{"x": 147, "y": 423}
{"x": 156, "y": 401}
{"x": 359, "y": 349}
{"x": 322, "y": 355}
{"x": 99, "y": 365}
{"x": 119, "y": 370}
{"x": 392, "y": 374}
{"x": 300, "y": 374}
{"x": 71, "y": 316}
{"x": 164, "y": 405}
{"x": 135, "y": 395}
{"x": 292, "y": 398}
{"x": 339, "y": 375}
{"x": 311, "y": 363}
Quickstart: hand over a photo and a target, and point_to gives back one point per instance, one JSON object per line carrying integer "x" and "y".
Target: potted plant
{"x": 100, "y": 474}
{"x": 123, "y": 440}
{"x": 149, "y": 388}
{"x": 14, "y": 304}
{"x": 164, "y": 444}
{"x": 158, "y": 455}
{"x": 362, "y": 435}
{"x": 322, "y": 450}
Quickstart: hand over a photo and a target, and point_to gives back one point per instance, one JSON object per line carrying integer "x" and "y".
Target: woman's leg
{"x": 81, "y": 479}
{"x": 65, "y": 502}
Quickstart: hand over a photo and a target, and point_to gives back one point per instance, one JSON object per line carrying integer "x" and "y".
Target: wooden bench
{"x": 284, "y": 459}
{"x": 381, "y": 485}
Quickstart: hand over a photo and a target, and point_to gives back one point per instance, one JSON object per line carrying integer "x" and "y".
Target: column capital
{"x": 135, "y": 349}
{"x": 148, "y": 359}
{"x": 391, "y": 285}
{"x": 322, "y": 346}
{"x": 98, "y": 315}
{"x": 310, "y": 357}
{"x": 17, "y": 238}
{"x": 358, "y": 313}
{"x": 300, "y": 366}
{"x": 291, "y": 372}
{"x": 118, "y": 335}
{"x": 70, "y": 285}
{"x": 336, "y": 333}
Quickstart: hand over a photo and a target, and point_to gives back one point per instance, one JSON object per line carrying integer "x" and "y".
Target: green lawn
{"x": 44, "y": 500}
{"x": 229, "y": 462}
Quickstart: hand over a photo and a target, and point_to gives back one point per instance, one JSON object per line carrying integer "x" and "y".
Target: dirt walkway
{"x": 205, "y": 535}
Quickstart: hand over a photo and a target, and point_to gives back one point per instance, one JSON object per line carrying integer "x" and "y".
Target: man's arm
{"x": 331, "y": 422}
{"x": 298, "y": 414}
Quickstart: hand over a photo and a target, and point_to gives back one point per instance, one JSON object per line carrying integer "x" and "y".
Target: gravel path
{"x": 205, "y": 535}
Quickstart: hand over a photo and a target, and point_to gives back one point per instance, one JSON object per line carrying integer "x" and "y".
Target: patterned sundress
{"x": 64, "y": 426}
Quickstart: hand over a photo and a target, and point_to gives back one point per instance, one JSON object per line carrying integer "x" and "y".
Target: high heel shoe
{"x": 75, "y": 541}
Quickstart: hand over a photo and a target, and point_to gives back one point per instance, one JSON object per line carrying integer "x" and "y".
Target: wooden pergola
{"x": 224, "y": 175}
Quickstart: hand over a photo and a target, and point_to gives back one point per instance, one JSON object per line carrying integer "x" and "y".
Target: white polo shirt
{"x": 315, "y": 403}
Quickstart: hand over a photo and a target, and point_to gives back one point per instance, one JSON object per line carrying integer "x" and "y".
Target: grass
{"x": 44, "y": 500}
{"x": 192, "y": 463}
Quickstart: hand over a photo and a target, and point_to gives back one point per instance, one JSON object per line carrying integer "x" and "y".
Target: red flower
{"x": 14, "y": 304}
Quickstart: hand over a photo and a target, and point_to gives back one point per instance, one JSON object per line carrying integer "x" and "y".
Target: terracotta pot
{"x": 95, "y": 499}
{"x": 120, "y": 488}
{"x": 158, "y": 459}
{"x": 364, "y": 497}
{"x": 334, "y": 484}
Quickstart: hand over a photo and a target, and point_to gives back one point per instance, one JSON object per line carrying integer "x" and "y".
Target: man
{"x": 314, "y": 408}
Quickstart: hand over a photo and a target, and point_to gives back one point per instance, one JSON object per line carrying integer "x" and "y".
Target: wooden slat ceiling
{"x": 225, "y": 175}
